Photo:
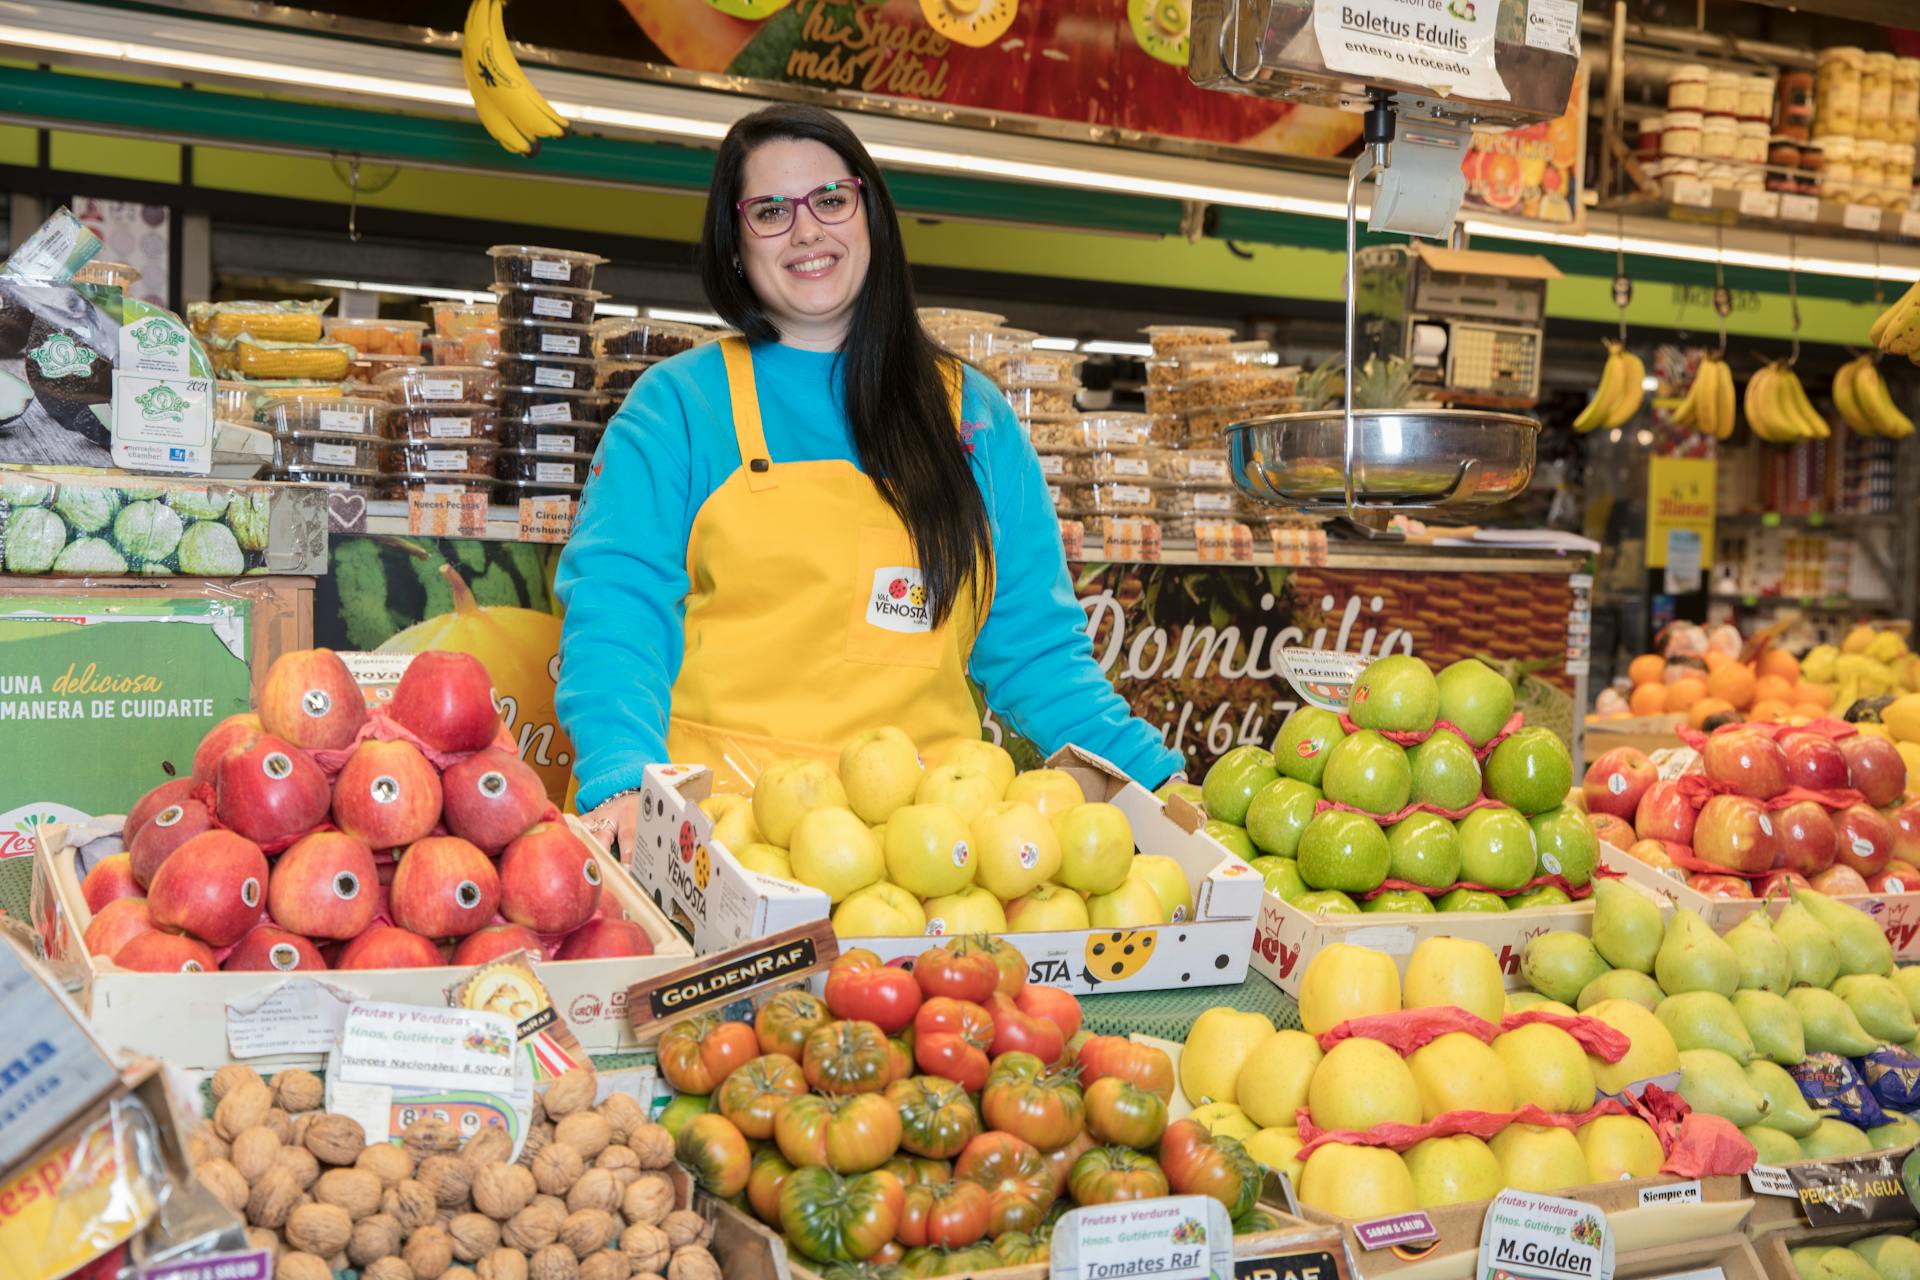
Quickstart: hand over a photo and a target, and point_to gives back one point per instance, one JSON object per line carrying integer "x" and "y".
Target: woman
{"x": 824, "y": 526}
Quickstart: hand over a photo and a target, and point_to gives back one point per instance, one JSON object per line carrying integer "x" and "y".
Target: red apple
{"x": 1652, "y": 852}
{"x": 1905, "y": 820}
{"x": 386, "y": 946}
{"x": 1805, "y": 837}
{"x": 491, "y": 797}
{"x": 114, "y": 924}
{"x": 446, "y": 700}
{"x": 234, "y": 731}
{"x": 323, "y": 886}
{"x": 166, "y": 831}
{"x": 1616, "y": 781}
{"x": 444, "y": 887}
{"x": 110, "y": 880}
{"x": 270, "y": 791}
{"x": 1737, "y": 833}
{"x": 549, "y": 881}
{"x": 1665, "y": 813}
{"x": 494, "y": 941}
{"x": 1611, "y": 830}
{"x": 1840, "y": 882}
{"x": 1863, "y": 839}
{"x": 172, "y": 791}
{"x": 387, "y": 794}
{"x": 1813, "y": 761}
{"x": 268, "y": 947}
{"x": 1724, "y": 887}
{"x": 309, "y": 698}
{"x": 157, "y": 952}
{"x": 1874, "y": 768}
{"x": 603, "y": 937}
{"x": 1751, "y": 763}
{"x": 1778, "y": 884}
{"x": 213, "y": 887}
{"x": 1896, "y": 877}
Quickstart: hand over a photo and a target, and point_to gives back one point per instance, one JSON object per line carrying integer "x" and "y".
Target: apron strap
{"x": 755, "y": 462}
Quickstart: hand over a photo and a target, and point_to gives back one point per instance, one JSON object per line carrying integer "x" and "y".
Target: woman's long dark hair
{"x": 896, "y": 396}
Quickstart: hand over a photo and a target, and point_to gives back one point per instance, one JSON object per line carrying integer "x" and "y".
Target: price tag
{"x": 1545, "y": 1237}
{"x": 440, "y": 510}
{"x": 1771, "y": 1180}
{"x": 1760, "y": 204}
{"x": 1860, "y": 217}
{"x": 1688, "y": 191}
{"x": 1168, "y": 1238}
{"x": 1672, "y": 1193}
{"x": 1400, "y": 1229}
{"x": 404, "y": 1044}
{"x": 1324, "y": 678}
{"x": 546, "y": 519}
{"x": 720, "y": 979}
{"x": 1852, "y": 1192}
{"x": 1910, "y": 223}
{"x": 1799, "y": 208}
{"x": 253, "y": 1264}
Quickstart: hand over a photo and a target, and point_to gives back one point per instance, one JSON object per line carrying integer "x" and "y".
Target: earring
{"x": 737, "y": 269}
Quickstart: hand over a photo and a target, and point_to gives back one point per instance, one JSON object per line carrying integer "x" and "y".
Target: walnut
{"x": 321, "y": 1229}
{"x": 539, "y": 1137}
{"x": 429, "y": 1251}
{"x": 489, "y": 1146}
{"x": 608, "y": 1264}
{"x": 245, "y": 1106}
{"x": 572, "y": 1092}
{"x": 296, "y": 1090}
{"x": 653, "y": 1144}
{"x": 228, "y": 1184}
{"x": 273, "y": 1198}
{"x": 693, "y": 1263}
{"x": 596, "y": 1189}
{"x": 534, "y": 1227}
{"x": 227, "y": 1079}
{"x": 374, "y": 1237}
{"x": 685, "y": 1227}
{"x": 648, "y": 1200}
{"x": 503, "y": 1264}
{"x": 301, "y": 1123}
{"x": 555, "y": 1262}
{"x": 448, "y": 1177}
{"x": 539, "y": 1111}
{"x": 336, "y": 1139}
{"x": 585, "y": 1131}
{"x": 391, "y": 1164}
{"x": 280, "y": 1124}
{"x": 458, "y": 1273}
{"x": 390, "y": 1268}
{"x": 299, "y": 1165}
{"x": 587, "y": 1231}
{"x": 253, "y": 1152}
{"x": 620, "y": 1162}
{"x": 502, "y": 1190}
{"x": 261, "y": 1238}
{"x": 301, "y": 1266}
{"x": 647, "y": 1247}
{"x": 355, "y": 1190}
{"x": 431, "y": 1136}
{"x": 204, "y": 1145}
{"x": 557, "y": 1168}
{"x": 475, "y": 1235}
{"x": 412, "y": 1203}
{"x": 622, "y": 1114}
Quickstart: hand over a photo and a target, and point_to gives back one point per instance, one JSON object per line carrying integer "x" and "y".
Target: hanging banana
{"x": 1617, "y": 396}
{"x": 1864, "y": 403}
{"x": 512, "y": 110}
{"x": 1708, "y": 404}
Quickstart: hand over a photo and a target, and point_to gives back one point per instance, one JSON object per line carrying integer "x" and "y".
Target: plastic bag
{"x": 1829, "y": 1080}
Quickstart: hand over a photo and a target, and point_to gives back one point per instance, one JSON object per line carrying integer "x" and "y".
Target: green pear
{"x": 1773, "y": 1026}
{"x": 1705, "y": 1020}
{"x": 1834, "y": 1138}
{"x": 1810, "y": 949}
{"x": 1763, "y": 958}
{"x": 1558, "y": 964}
{"x": 1806, "y": 1260}
{"x": 1771, "y": 1145}
{"x": 1843, "y": 1264}
{"x": 1861, "y": 944}
{"x": 1626, "y": 926}
{"x": 1899, "y": 1131}
{"x": 1692, "y": 957}
{"x": 1621, "y": 984}
{"x": 1891, "y": 1257}
{"x": 1829, "y": 1025}
{"x": 1877, "y": 1002}
{"x": 1712, "y": 1082}
{"x": 1907, "y": 978}
{"x": 1787, "y": 1108}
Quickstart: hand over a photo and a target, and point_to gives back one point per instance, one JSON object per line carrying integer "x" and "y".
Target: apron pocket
{"x": 891, "y": 621}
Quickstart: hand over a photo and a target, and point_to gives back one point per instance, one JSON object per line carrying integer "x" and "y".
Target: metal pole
{"x": 1616, "y": 95}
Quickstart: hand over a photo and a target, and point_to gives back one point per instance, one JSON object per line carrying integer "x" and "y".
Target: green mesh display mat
{"x": 16, "y": 886}
{"x": 1168, "y": 1014}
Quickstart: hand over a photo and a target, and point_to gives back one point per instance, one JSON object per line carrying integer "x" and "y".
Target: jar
{"x": 1876, "y": 95}
{"x": 1680, "y": 134}
{"x": 1687, "y": 88}
{"x": 1753, "y": 177}
{"x": 1869, "y": 171}
{"x": 1723, "y": 174}
{"x": 1750, "y": 142}
{"x": 1904, "y": 109}
{"x": 1812, "y": 171}
{"x": 1680, "y": 167}
{"x": 1717, "y": 137}
{"x": 1756, "y": 98}
{"x": 1900, "y": 161}
{"x": 1783, "y": 157}
{"x": 1793, "y": 105}
{"x": 1648, "y": 145}
{"x": 1836, "y": 178}
{"x": 1723, "y": 93}
{"x": 1836, "y": 90}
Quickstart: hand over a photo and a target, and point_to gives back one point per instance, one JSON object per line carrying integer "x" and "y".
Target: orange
{"x": 1649, "y": 699}
{"x": 1812, "y": 699}
{"x": 1647, "y": 668}
{"x": 1701, "y": 710}
{"x": 1683, "y": 693}
{"x": 1716, "y": 660}
{"x": 1732, "y": 682}
{"x": 1772, "y": 710}
{"x": 1772, "y": 689}
{"x": 1778, "y": 662}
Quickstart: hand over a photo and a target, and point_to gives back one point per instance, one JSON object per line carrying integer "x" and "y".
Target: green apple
{"x": 1234, "y": 780}
{"x": 1399, "y": 902}
{"x": 1566, "y": 844}
{"x": 1169, "y": 881}
{"x": 1096, "y": 847}
{"x": 1016, "y": 849}
{"x": 1133, "y": 905}
{"x": 1187, "y": 791}
{"x": 1423, "y": 849}
{"x": 834, "y": 852}
{"x": 1047, "y": 908}
{"x": 1368, "y": 772}
{"x": 1279, "y": 813}
{"x": 965, "y": 788}
{"x": 1300, "y": 749}
{"x": 767, "y": 859}
{"x": 880, "y": 770}
{"x": 1282, "y": 876}
{"x": 1530, "y": 770}
{"x": 971, "y": 910}
{"x": 1477, "y": 900}
{"x": 1547, "y": 895}
{"x": 1342, "y": 850}
{"x": 1475, "y": 698}
{"x": 1234, "y": 838}
{"x": 784, "y": 792}
{"x": 880, "y": 910}
{"x": 1496, "y": 849}
{"x": 1445, "y": 774}
{"x": 684, "y": 1107}
{"x": 998, "y": 764}
{"x": 927, "y": 850}
{"x": 1397, "y": 694}
{"x": 735, "y": 829}
{"x": 1048, "y": 790}
{"x": 1326, "y": 902}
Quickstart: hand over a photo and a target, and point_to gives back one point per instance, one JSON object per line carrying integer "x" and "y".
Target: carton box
{"x": 54, "y": 1068}
{"x": 182, "y": 1017}
{"x": 703, "y": 887}
{"x": 1775, "y": 1248}
{"x": 1776, "y": 1213}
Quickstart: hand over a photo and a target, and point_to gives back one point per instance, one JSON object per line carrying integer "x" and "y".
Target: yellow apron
{"x": 807, "y": 619}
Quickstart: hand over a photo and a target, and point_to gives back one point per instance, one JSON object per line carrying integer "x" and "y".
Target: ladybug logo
{"x": 917, "y": 596}
{"x": 702, "y": 867}
{"x": 1113, "y": 955}
{"x": 687, "y": 842}
{"x": 897, "y": 588}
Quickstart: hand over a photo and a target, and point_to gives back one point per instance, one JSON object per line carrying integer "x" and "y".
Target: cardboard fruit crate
{"x": 1777, "y": 1212}
{"x": 181, "y": 1017}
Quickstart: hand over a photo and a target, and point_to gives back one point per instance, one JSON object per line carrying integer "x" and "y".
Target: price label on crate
{"x": 1852, "y": 1192}
{"x": 441, "y": 510}
{"x": 1545, "y": 1237}
{"x": 1799, "y": 208}
{"x": 1760, "y": 204}
{"x": 548, "y": 518}
{"x": 1860, "y": 217}
{"x": 1687, "y": 191}
{"x": 1168, "y": 1238}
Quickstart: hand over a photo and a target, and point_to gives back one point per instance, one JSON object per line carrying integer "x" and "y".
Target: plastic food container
{"x": 328, "y": 449}
{"x": 331, "y": 415}
{"x": 455, "y": 319}
{"x": 1201, "y": 362}
{"x": 552, "y": 437}
{"x": 1903, "y": 111}
{"x": 544, "y": 338}
{"x": 982, "y": 345}
{"x": 1063, "y": 465}
{"x": 1041, "y": 367}
{"x": 618, "y": 376}
{"x": 252, "y": 357}
{"x": 1756, "y": 98}
{"x": 1044, "y": 400}
{"x": 233, "y": 401}
{"x": 1687, "y": 88}
{"x": 639, "y": 336}
{"x": 1172, "y": 339}
{"x": 438, "y": 384}
{"x": 367, "y": 480}
{"x": 1750, "y": 143}
{"x": 545, "y": 302}
{"x": 564, "y": 373}
{"x": 437, "y": 458}
{"x": 1117, "y": 497}
{"x": 407, "y": 484}
{"x": 542, "y": 468}
{"x": 1723, "y": 93}
{"x": 366, "y": 370}
{"x": 1242, "y": 385}
{"x": 289, "y": 321}
{"x": 547, "y": 405}
{"x": 529, "y": 264}
{"x": 1680, "y": 134}
{"x": 958, "y": 317}
{"x": 378, "y": 337}
{"x": 1202, "y": 504}
{"x": 478, "y": 347}
{"x": 1718, "y": 136}
{"x": 1198, "y": 467}
{"x": 452, "y": 422}
{"x": 117, "y": 275}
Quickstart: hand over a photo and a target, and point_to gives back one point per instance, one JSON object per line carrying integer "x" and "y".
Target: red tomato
{"x": 1106, "y": 1174}
{"x": 1005, "y": 956}
{"x": 1142, "y": 1064}
{"x": 952, "y": 1215}
{"x": 1060, "y": 1160}
{"x": 1030, "y": 1102}
{"x": 696, "y": 1054}
{"x": 785, "y": 1021}
{"x": 715, "y": 1153}
{"x": 1198, "y": 1163}
{"x": 768, "y": 1171}
{"x": 861, "y": 988}
{"x": 971, "y": 976}
{"x": 849, "y": 1134}
{"x": 1016, "y": 1031}
{"x": 1056, "y": 1006}
{"x": 950, "y": 1039}
{"x": 847, "y": 1057}
{"x": 752, "y": 1095}
{"x": 1020, "y": 1187}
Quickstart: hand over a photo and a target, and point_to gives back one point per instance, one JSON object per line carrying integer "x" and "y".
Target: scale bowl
{"x": 1447, "y": 460}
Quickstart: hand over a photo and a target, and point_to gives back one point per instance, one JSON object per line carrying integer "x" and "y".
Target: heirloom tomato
{"x": 1018, "y": 1248}
{"x": 970, "y": 976}
{"x": 951, "y": 1215}
{"x": 1120, "y": 1111}
{"x": 932, "y": 1260}
{"x": 1060, "y": 1160}
{"x": 1198, "y": 1163}
{"x": 1106, "y": 1174}
{"x": 1025, "y": 1098}
{"x": 917, "y": 1171}
{"x": 851, "y": 1133}
{"x": 1056, "y": 1006}
{"x": 1019, "y": 1185}
{"x": 715, "y": 1153}
{"x": 785, "y": 1021}
{"x": 1016, "y": 1031}
{"x": 1144, "y": 1065}
{"x": 937, "y": 1118}
{"x": 764, "y": 1178}
{"x": 950, "y": 1038}
{"x": 697, "y": 1053}
{"x": 861, "y": 988}
{"x": 753, "y": 1093}
{"x": 1005, "y": 956}
{"x": 831, "y": 1218}
{"x": 847, "y": 1057}
{"x": 900, "y": 1056}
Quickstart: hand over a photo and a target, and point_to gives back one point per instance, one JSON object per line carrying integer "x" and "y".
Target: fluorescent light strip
{"x": 1644, "y": 247}
{"x": 1056, "y": 344}
{"x": 675, "y": 316}
{"x": 413, "y": 290}
{"x": 1104, "y": 348}
{"x": 621, "y": 309}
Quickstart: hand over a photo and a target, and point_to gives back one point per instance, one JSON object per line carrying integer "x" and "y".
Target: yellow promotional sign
{"x": 1679, "y": 497}
{"x": 69, "y": 1205}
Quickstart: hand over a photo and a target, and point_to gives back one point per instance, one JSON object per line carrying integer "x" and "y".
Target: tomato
{"x": 1030, "y": 1102}
{"x": 1199, "y": 1164}
{"x": 830, "y": 1218}
{"x": 1019, "y": 1185}
{"x": 1121, "y": 1112}
{"x": 697, "y": 1053}
{"x": 850, "y": 1133}
{"x": 1016, "y": 1031}
{"x": 1254, "y": 1221}
{"x": 1005, "y": 956}
{"x": 919, "y": 1172}
{"x": 950, "y": 1038}
{"x": 1060, "y": 1161}
{"x": 900, "y": 1055}
{"x": 931, "y": 1260}
{"x": 860, "y": 987}
{"x": 764, "y": 1178}
{"x": 1106, "y": 1174}
{"x": 784, "y": 1022}
{"x": 715, "y": 1153}
{"x": 847, "y": 1057}
{"x": 1056, "y": 1006}
{"x": 951, "y": 1215}
{"x": 1018, "y": 1248}
{"x": 1144, "y": 1065}
{"x": 752, "y": 1094}
{"x": 937, "y": 1118}
{"x": 969, "y": 976}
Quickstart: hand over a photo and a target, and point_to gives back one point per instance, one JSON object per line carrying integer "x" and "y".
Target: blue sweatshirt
{"x": 623, "y": 574}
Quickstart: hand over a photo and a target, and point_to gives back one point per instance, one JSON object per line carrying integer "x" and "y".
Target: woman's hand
{"x": 615, "y": 821}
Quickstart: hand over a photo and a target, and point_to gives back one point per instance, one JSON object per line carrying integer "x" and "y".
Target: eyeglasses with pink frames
{"x": 831, "y": 203}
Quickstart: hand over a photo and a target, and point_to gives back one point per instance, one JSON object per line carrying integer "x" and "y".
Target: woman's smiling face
{"x": 808, "y": 276}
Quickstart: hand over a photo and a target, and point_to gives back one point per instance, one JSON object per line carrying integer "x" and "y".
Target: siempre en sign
{"x": 1545, "y": 1238}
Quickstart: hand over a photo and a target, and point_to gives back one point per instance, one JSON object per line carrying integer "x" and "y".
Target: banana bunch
{"x": 1708, "y": 406}
{"x": 1778, "y": 409}
{"x": 508, "y": 105}
{"x": 1862, "y": 399}
{"x": 1617, "y": 397}
{"x": 1897, "y": 331}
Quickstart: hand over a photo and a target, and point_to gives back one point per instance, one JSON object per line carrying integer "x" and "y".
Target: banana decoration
{"x": 1861, "y": 396}
{"x": 512, "y": 110}
{"x": 1618, "y": 395}
{"x": 1897, "y": 330}
{"x": 1778, "y": 408}
{"x": 1708, "y": 406}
